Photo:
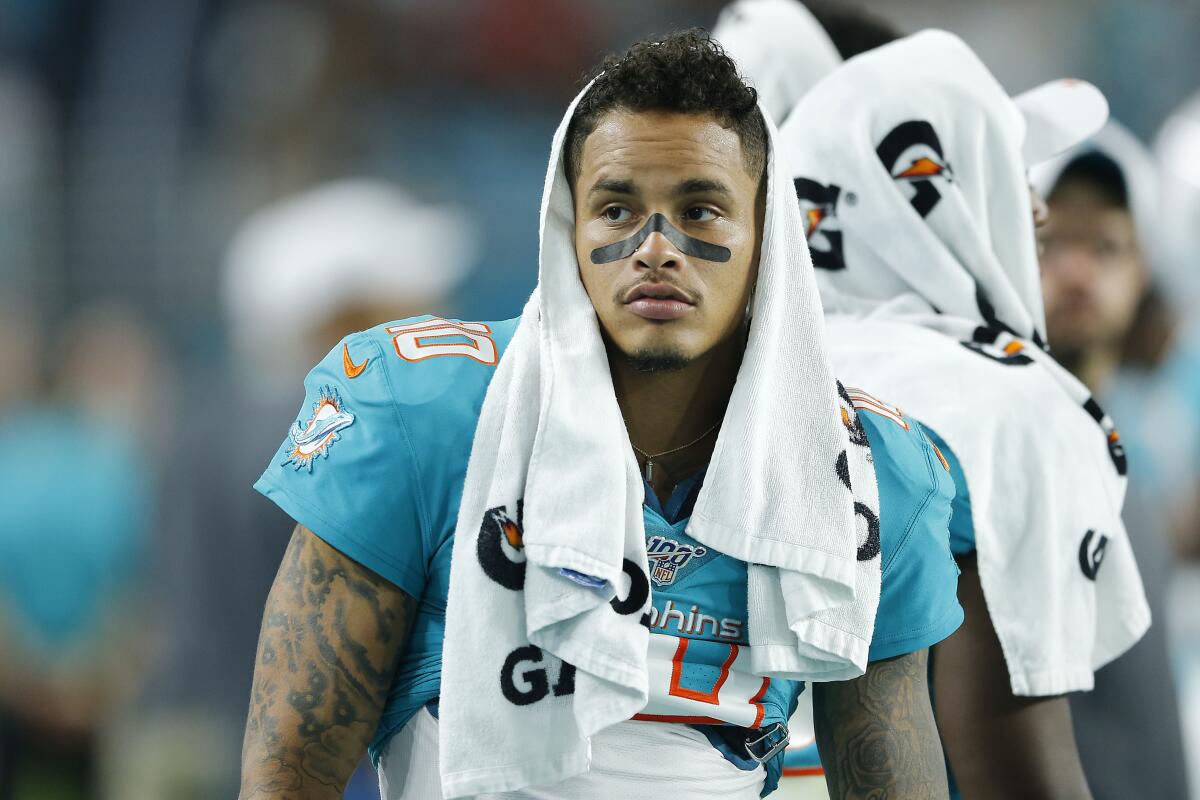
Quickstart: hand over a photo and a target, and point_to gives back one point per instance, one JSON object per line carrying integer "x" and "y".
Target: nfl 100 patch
{"x": 668, "y": 557}
{"x": 323, "y": 428}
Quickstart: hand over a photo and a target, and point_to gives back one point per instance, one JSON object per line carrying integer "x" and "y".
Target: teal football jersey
{"x": 962, "y": 526}
{"x": 375, "y": 466}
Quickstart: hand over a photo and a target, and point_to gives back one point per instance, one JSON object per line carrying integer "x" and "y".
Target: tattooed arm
{"x": 876, "y": 734}
{"x": 332, "y": 633}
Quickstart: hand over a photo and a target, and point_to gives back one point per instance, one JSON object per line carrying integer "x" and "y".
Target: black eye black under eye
{"x": 658, "y": 223}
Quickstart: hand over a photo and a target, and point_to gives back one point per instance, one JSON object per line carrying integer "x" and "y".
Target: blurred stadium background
{"x": 167, "y": 173}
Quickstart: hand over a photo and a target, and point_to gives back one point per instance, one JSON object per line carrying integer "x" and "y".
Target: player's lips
{"x": 658, "y": 301}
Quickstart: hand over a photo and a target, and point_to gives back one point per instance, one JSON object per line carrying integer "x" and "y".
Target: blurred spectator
{"x": 306, "y": 271}
{"x": 1107, "y": 322}
{"x": 116, "y": 374}
{"x": 300, "y": 274}
{"x": 75, "y": 514}
{"x": 20, "y": 352}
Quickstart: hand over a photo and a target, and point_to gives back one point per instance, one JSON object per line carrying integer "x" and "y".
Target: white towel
{"x": 549, "y": 571}
{"x": 935, "y": 300}
{"x": 780, "y": 49}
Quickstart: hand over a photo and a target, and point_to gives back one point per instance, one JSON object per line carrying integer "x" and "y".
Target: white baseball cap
{"x": 1059, "y": 115}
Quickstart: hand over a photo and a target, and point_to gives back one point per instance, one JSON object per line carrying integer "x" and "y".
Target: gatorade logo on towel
{"x": 1091, "y": 553}
{"x": 818, "y": 207}
{"x": 913, "y": 154}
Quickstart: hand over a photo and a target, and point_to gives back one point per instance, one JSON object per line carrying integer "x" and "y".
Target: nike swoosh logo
{"x": 352, "y": 370}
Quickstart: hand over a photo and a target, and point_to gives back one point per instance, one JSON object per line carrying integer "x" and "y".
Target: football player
{"x": 911, "y": 163}
{"x": 671, "y": 177}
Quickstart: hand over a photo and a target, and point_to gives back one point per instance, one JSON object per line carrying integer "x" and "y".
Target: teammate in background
{"x": 911, "y": 169}
{"x": 671, "y": 182}
{"x": 780, "y": 49}
{"x": 1109, "y": 324}
{"x": 783, "y": 47}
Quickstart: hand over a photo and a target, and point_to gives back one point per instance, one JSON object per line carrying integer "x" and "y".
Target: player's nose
{"x": 657, "y": 252}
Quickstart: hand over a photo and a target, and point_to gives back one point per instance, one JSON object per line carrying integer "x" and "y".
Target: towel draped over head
{"x": 549, "y": 570}
{"x": 909, "y": 164}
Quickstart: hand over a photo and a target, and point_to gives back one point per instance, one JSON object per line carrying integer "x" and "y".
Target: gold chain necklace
{"x": 649, "y": 468}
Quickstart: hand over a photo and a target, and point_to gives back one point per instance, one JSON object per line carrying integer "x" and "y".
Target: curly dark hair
{"x": 687, "y": 72}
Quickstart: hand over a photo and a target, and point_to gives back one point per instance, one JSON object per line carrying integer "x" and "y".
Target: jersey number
{"x": 430, "y": 338}
{"x": 739, "y": 703}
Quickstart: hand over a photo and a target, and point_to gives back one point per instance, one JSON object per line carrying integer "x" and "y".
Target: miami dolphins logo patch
{"x": 314, "y": 439}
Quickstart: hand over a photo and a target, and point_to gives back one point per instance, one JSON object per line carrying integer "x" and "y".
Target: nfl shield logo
{"x": 664, "y": 573}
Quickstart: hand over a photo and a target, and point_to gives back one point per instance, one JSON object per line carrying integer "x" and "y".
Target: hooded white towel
{"x": 780, "y": 48}
{"x": 919, "y": 209}
{"x": 545, "y": 641}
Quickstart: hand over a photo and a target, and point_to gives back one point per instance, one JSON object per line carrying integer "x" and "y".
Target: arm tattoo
{"x": 876, "y": 734}
{"x": 332, "y": 635}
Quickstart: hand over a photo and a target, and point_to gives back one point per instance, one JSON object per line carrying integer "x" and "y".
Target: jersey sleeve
{"x": 918, "y": 601}
{"x": 962, "y": 528}
{"x": 346, "y": 469}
